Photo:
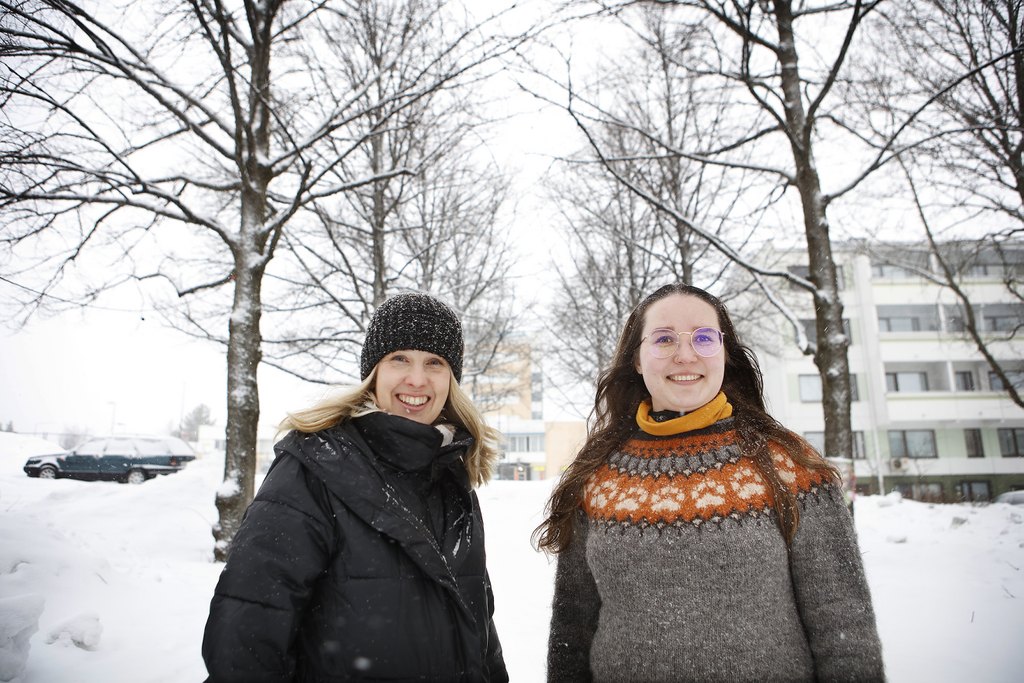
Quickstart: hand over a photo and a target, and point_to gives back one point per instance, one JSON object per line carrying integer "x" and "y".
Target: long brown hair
{"x": 620, "y": 389}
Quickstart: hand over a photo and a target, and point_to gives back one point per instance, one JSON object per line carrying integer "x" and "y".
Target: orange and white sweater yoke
{"x": 678, "y": 570}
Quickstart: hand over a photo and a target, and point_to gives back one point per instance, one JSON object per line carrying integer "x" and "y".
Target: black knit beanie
{"x": 413, "y": 321}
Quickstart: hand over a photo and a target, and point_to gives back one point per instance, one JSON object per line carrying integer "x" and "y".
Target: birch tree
{"x": 130, "y": 126}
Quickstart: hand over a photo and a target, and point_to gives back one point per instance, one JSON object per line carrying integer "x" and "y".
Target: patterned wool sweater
{"x": 678, "y": 571}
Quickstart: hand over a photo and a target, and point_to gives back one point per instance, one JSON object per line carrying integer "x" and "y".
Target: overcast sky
{"x": 104, "y": 370}
{"x": 112, "y": 368}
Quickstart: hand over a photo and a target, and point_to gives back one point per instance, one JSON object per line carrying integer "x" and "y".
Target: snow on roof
{"x": 134, "y": 445}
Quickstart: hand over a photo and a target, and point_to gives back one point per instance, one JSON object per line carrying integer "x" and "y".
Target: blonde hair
{"x": 360, "y": 400}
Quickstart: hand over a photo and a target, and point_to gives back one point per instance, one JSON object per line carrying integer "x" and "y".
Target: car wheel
{"x": 135, "y": 477}
{"x": 47, "y": 472}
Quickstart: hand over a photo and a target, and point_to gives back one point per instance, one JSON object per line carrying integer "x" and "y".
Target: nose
{"x": 417, "y": 376}
{"x": 684, "y": 352}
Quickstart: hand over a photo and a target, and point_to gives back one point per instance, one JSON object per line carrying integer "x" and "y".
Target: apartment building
{"x": 513, "y": 401}
{"x": 930, "y": 418}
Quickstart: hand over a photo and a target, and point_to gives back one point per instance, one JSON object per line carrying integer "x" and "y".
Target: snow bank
{"x": 19, "y": 619}
{"x": 126, "y": 573}
{"x": 21, "y": 447}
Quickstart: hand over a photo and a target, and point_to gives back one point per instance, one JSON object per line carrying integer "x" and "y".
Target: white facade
{"x": 928, "y": 418}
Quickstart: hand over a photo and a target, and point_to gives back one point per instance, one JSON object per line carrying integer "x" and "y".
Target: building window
{"x": 810, "y": 388}
{"x": 975, "y": 491}
{"x": 986, "y": 270}
{"x": 1011, "y": 443}
{"x": 964, "y": 380}
{"x": 925, "y": 493}
{"x": 912, "y": 443}
{"x": 972, "y": 441}
{"x": 525, "y": 443}
{"x": 1000, "y": 323}
{"x": 1016, "y": 378}
{"x": 988, "y": 317}
{"x": 908, "y": 318}
{"x": 906, "y": 381}
{"x": 859, "y": 451}
{"x": 899, "y": 324}
{"x": 817, "y": 439}
{"x": 954, "y": 318}
{"x": 885, "y": 270}
{"x": 1000, "y": 317}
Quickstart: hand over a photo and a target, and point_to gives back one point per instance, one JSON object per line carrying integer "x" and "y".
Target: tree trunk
{"x": 249, "y": 251}
{"x": 830, "y": 356}
{"x": 244, "y": 353}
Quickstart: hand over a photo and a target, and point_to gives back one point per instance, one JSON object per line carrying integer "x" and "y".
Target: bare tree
{"x": 438, "y": 231}
{"x": 774, "y": 65}
{"x": 441, "y": 232}
{"x": 621, "y": 245}
{"x": 965, "y": 60}
{"x": 116, "y": 140}
{"x": 964, "y": 178}
{"x": 611, "y": 270}
{"x": 196, "y": 418}
{"x": 956, "y": 266}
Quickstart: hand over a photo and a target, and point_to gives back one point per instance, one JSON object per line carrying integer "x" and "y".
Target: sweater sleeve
{"x": 574, "y": 612}
{"x": 832, "y": 592}
{"x": 283, "y": 545}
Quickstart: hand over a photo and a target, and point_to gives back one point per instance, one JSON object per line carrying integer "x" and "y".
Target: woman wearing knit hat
{"x": 697, "y": 539}
{"x": 362, "y": 555}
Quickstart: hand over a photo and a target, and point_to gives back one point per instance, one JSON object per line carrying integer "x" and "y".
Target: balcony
{"x": 929, "y": 407}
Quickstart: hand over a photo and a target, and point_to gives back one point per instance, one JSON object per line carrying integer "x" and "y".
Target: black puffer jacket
{"x": 361, "y": 559}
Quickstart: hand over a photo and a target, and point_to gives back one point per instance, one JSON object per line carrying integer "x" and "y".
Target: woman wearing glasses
{"x": 697, "y": 538}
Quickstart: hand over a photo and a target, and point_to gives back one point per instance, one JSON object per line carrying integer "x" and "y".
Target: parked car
{"x": 1011, "y": 497}
{"x": 131, "y": 459}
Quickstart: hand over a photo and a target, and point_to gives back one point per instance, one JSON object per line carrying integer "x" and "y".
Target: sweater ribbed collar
{"x": 708, "y": 414}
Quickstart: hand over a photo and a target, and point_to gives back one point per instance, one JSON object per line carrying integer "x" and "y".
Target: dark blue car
{"x": 131, "y": 459}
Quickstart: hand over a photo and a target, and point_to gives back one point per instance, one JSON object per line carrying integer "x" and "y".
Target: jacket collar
{"x": 410, "y": 446}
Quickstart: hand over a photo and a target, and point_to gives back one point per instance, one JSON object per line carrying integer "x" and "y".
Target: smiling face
{"x": 684, "y": 381}
{"x": 413, "y": 384}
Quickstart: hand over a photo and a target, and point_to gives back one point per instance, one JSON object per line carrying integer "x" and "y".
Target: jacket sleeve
{"x": 494, "y": 658}
{"x": 574, "y": 612}
{"x": 832, "y": 592}
{"x": 284, "y": 544}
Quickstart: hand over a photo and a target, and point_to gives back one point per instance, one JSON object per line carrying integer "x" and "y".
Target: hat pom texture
{"x": 413, "y": 321}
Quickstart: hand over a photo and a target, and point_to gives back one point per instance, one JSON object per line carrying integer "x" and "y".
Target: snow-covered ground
{"x": 118, "y": 579}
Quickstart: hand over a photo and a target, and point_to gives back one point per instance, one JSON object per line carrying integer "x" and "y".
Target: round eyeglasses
{"x": 663, "y": 342}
